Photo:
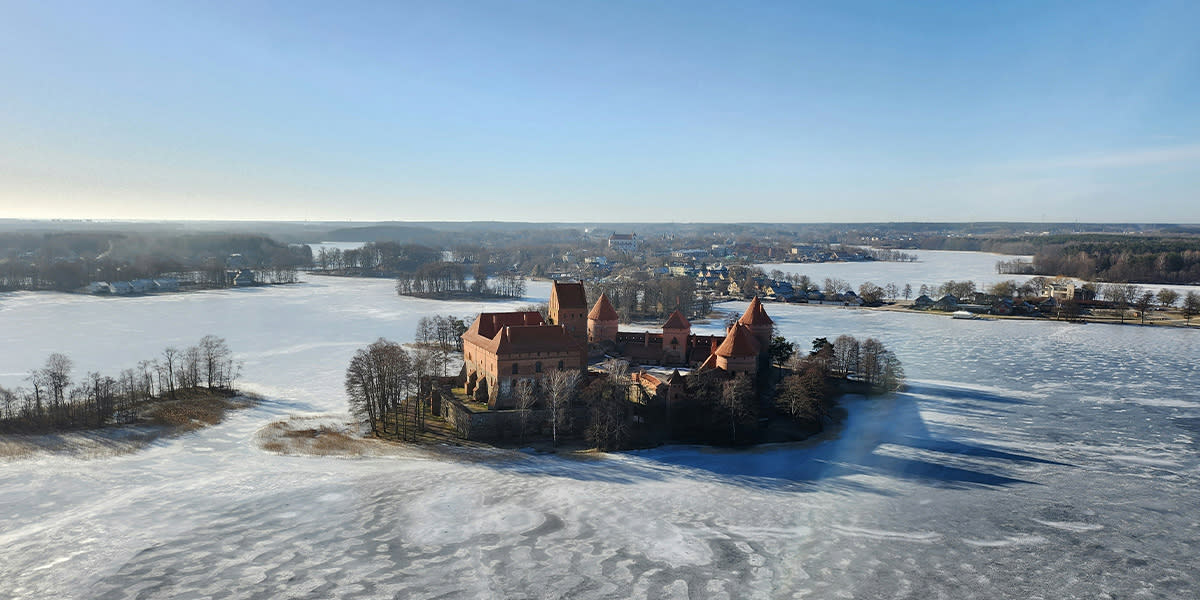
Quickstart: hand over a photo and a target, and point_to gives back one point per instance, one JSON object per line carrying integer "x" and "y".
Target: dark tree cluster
{"x": 388, "y": 387}
{"x": 384, "y": 385}
{"x": 54, "y": 402}
{"x": 68, "y": 261}
{"x": 441, "y": 335}
{"x": 446, "y": 279}
{"x": 644, "y": 297}
{"x": 381, "y": 259}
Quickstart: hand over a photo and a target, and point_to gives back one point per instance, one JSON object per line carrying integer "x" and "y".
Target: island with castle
{"x": 654, "y": 386}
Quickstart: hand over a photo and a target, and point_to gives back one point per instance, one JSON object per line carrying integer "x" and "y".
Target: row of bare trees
{"x": 555, "y": 391}
{"x": 442, "y": 336}
{"x": 53, "y": 401}
{"x": 445, "y": 278}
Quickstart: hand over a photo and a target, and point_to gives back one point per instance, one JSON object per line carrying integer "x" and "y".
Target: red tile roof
{"x": 570, "y": 295}
{"x": 489, "y": 324}
{"x": 740, "y": 342}
{"x": 518, "y": 332}
{"x": 534, "y": 338}
{"x": 676, "y": 321}
{"x": 755, "y": 314}
{"x": 603, "y": 310}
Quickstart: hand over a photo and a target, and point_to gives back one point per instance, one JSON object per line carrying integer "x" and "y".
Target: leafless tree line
{"x": 53, "y": 401}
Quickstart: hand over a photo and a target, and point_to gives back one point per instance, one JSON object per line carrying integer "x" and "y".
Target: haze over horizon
{"x": 601, "y": 112}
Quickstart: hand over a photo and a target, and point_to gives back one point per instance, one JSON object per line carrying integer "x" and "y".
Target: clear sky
{"x": 607, "y": 110}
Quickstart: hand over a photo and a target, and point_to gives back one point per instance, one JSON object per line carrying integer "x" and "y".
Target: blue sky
{"x": 584, "y": 111}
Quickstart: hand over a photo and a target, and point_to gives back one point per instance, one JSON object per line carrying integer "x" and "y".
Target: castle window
{"x": 560, "y": 365}
{"x": 537, "y": 367}
{"x": 516, "y": 368}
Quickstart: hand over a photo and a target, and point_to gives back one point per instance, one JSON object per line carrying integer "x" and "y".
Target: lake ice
{"x": 1026, "y": 460}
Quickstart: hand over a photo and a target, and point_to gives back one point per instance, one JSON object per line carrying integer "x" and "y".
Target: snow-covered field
{"x": 1027, "y": 460}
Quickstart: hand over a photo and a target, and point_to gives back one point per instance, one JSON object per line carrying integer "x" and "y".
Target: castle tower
{"x": 739, "y": 352}
{"x": 602, "y": 321}
{"x": 759, "y": 324}
{"x": 675, "y": 339}
{"x": 568, "y": 307}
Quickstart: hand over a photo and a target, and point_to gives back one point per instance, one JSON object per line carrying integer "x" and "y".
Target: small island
{"x": 180, "y": 391}
{"x": 575, "y": 376}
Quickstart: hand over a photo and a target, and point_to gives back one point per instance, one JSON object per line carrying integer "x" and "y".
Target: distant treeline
{"x": 1093, "y": 257}
{"x": 1122, "y": 259}
{"x": 70, "y": 260}
{"x": 643, "y": 297}
{"x": 446, "y": 279}
{"x": 381, "y": 259}
{"x": 53, "y": 402}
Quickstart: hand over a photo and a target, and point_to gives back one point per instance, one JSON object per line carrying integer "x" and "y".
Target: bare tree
{"x": 57, "y": 375}
{"x": 1142, "y": 303}
{"x": 845, "y": 355}
{"x": 738, "y": 402}
{"x": 167, "y": 369}
{"x": 379, "y": 386}
{"x": 1167, "y": 297}
{"x": 527, "y": 397}
{"x": 560, "y": 390}
{"x": 870, "y": 360}
{"x": 8, "y": 403}
{"x": 214, "y": 355}
{"x": 1191, "y": 306}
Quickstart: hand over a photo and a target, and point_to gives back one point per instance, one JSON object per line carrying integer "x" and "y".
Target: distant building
{"x": 1069, "y": 291}
{"x": 624, "y": 242}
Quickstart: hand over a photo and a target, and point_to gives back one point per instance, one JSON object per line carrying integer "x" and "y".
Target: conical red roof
{"x": 676, "y": 321}
{"x": 755, "y": 314}
{"x": 603, "y": 310}
{"x": 739, "y": 342}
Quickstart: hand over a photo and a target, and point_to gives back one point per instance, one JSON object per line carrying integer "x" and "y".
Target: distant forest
{"x": 1105, "y": 257}
{"x": 69, "y": 260}
{"x": 1121, "y": 259}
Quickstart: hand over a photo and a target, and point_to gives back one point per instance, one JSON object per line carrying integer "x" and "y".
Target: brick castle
{"x": 500, "y": 349}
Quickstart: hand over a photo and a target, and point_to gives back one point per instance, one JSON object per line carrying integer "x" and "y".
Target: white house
{"x": 625, "y": 242}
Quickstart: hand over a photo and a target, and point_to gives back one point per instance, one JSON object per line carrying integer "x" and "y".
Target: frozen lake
{"x": 1027, "y": 460}
{"x": 932, "y": 268}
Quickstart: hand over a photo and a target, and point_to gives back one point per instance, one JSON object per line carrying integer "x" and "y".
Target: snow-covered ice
{"x": 1027, "y": 459}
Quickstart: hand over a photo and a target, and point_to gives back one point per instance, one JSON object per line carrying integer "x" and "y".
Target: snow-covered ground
{"x": 1027, "y": 460}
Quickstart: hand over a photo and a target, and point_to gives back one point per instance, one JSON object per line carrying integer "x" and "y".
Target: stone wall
{"x": 504, "y": 425}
